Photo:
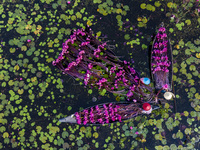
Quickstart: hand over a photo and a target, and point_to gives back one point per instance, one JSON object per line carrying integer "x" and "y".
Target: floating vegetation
{"x": 34, "y": 95}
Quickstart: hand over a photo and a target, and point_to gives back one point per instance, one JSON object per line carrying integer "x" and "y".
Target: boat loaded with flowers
{"x": 161, "y": 63}
{"x": 83, "y": 56}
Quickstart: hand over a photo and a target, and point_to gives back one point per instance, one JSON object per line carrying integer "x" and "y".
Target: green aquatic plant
{"x": 34, "y": 95}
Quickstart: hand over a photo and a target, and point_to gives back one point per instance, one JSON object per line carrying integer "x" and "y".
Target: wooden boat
{"x": 161, "y": 61}
{"x": 109, "y": 113}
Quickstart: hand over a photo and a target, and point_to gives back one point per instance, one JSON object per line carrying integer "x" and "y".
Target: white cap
{"x": 168, "y": 95}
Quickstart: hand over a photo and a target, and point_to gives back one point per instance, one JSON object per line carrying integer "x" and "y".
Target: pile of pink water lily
{"x": 85, "y": 57}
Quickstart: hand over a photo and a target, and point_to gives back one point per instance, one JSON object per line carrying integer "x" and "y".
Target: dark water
{"x": 34, "y": 95}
